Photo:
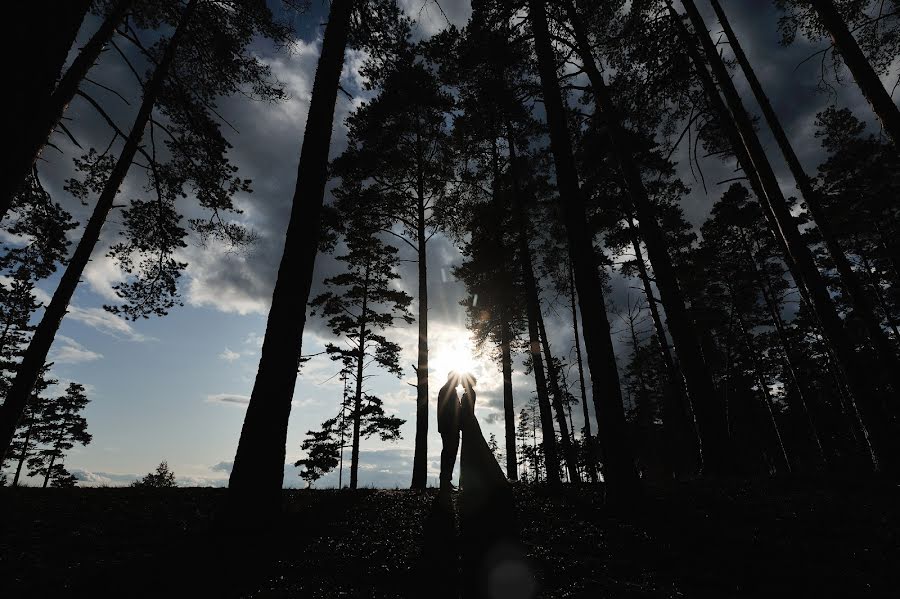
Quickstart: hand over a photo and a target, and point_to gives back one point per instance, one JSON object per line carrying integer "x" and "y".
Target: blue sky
{"x": 175, "y": 388}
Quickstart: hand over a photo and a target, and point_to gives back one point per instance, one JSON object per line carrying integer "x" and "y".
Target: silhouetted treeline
{"x": 540, "y": 138}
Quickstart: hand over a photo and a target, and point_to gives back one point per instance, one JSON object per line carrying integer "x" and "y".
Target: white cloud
{"x": 97, "y": 318}
{"x": 229, "y": 398}
{"x": 68, "y": 351}
{"x": 101, "y": 274}
{"x": 229, "y": 355}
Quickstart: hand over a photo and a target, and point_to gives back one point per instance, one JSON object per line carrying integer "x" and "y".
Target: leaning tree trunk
{"x": 587, "y": 437}
{"x": 509, "y": 412}
{"x": 740, "y": 129}
{"x": 36, "y": 355}
{"x": 45, "y": 112}
{"x": 866, "y": 77}
{"x": 680, "y": 436}
{"x": 420, "y": 458}
{"x": 787, "y": 351}
{"x": 258, "y": 470}
{"x": 567, "y": 447}
{"x": 862, "y": 303}
{"x": 24, "y": 453}
{"x": 620, "y": 475}
{"x": 707, "y": 408}
{"x": 747, "y": 338}
{"x": 533, "y": 309}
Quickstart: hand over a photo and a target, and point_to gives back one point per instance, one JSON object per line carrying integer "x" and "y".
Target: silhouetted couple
{"x": 493, "y": 561}
{"x": 479, "y": 470}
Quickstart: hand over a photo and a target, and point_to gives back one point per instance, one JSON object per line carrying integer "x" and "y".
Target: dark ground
{"x": 759, "y": 539}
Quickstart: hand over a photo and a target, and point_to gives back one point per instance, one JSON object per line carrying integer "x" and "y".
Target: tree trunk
{"x": 46, "y": 111}
{"x": 862, "y": 303}
{"x": 865, "y": 76}
{"x": 620, "y": 476}
{"x": 705, "y": 401}
{"x": 357, "y": 399}
{"x": 533, "y": 311}
{"x": 47, "y": 473}
{"x": 786, "y": 349}
{"x": 258, "y": 470}
{"x": 24, "y": 454}
{"x": 508, "y": 407}
{"x": 567, "y": 448}
{"x": 682, "y": 456}
{"x": 857, "y": 375}
{"x": 420, "y": 458}
{"x": 588, "y": 437}
{"x": 36, "y": 355}
{"x": 763, "y": 389}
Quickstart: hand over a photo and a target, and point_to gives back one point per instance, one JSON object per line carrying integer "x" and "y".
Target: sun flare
{"x": 456, "y": 353}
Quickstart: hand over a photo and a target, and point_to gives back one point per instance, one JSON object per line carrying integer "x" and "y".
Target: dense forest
{"x": 559, "y": 145}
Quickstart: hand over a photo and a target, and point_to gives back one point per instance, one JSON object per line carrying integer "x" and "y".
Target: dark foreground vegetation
{"x": 765, "y": 538}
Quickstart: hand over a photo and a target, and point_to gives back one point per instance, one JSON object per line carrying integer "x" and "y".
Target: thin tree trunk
{"x": 420, "y": 458}
{"x": 588, "y": 437}
{"x": 763, "y": 388}
{"x": 36, "y": 131}
{"x": 680, "y": 433}
{"x": 786, "y": 349}
{"x": 865, "y": 76}
{"x": 717, "y": 459}
{"x": 36, "y": 355}
{"x": 568, "y": 449}
{"x": 357, "y": 399}
{"x": 47, "y": 473}
{"x": 258, "y": 470}
{"x": 24, "y": 453}
{"x": 508, "y": 407}
{"x": 875, "y": 282}
{"x": 881, "y": 431}
{"x": 621, "y": 479}
{"x": 533, "y": 311}
{"x": 862, "y": 303}
{"x": 343, "y": 424}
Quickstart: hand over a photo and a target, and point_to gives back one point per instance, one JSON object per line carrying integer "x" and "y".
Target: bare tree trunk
{"x": 36, "y": 354}
{"x": 558, "y": 407}
{"x": 258, "y": 470}
{"x": 533, "y": 312}
{"x": 862, "y": 303}
{"x": 800, "y": 260}
{"x": 621, "y": 479}
{"x": 587, "y": 438}
{"x": 420, "y": 458}
{"x": 508, "y": 407}
{"x": 48, "y": 111}
{"x": 866, "y": 77}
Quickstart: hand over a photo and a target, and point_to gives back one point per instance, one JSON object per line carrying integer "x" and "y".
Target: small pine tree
{"x": 28, "y": 434}
{"x": 61, "y": 427}
{"x": 495, "y": 447}
{"x": 163, "y": 478}
{"x": 322, "y": 452}
{"x": 360, "y": 305}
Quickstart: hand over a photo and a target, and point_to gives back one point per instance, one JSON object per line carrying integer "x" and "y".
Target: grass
{"x": 764, "y": 538}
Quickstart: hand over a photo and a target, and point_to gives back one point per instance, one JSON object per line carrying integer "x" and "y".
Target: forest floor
{"x": 766, "y": 538}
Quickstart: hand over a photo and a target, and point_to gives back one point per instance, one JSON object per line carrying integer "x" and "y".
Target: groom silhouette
{"x": 448, "y": 427}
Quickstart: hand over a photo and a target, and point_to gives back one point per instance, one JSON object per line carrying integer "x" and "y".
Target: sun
{"x": 454, "y": 352}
